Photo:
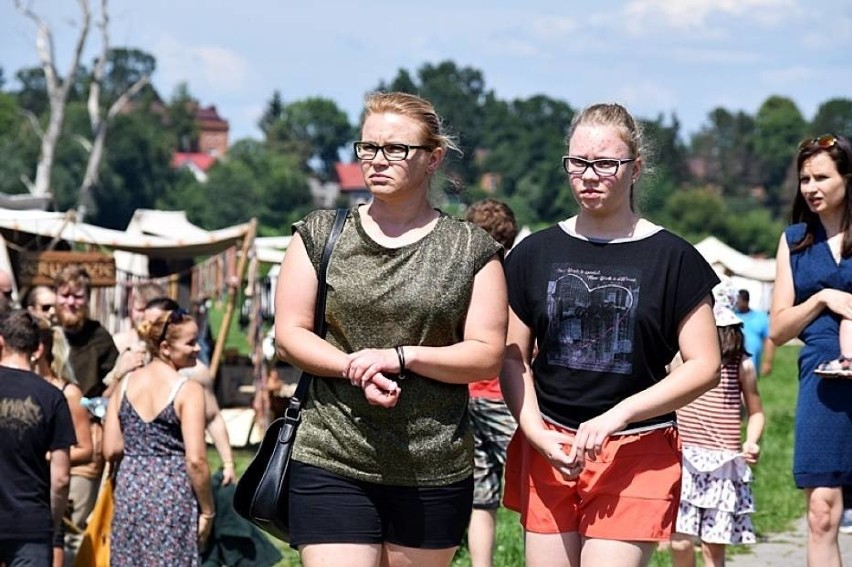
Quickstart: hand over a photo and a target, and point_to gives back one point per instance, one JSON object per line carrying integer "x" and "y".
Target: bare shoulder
{"x": 72, "y": 392}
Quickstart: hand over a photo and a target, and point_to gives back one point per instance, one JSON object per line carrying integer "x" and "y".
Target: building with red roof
{"x": 351, "y": 182}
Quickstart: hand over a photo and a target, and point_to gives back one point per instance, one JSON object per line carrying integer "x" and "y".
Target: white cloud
{"x": 713, "y": 56}
{"x": 647, "y": 98}
{"x": 784, "y": 77}
{"x": 694, "y": 15}
{"x": 204, "y": 67}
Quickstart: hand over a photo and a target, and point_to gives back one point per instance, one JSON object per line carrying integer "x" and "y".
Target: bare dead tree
{"x": 98, "y": 121}
{"x": 58, "y": 89}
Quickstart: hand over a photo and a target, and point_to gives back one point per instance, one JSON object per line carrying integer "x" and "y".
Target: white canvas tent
{"x": 757, "y": 275}
{"x": 181, "y": 243}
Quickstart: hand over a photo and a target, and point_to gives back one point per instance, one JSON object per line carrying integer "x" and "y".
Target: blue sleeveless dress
{"x": 155, "y": 518}
{"x": 823, "y": 439}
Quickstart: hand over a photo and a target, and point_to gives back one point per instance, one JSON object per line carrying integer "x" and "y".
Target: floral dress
{"x": 155, "y": 514}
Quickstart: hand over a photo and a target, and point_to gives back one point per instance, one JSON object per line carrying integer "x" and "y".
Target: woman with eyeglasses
{"x": 383, "y": 461}
{"x": 599, "y": 305}
{"x": 154, "y": 431}
{"x": 812, "y": 300}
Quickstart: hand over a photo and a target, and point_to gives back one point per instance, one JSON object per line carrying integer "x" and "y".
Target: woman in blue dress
{"x": 811, "y": 297}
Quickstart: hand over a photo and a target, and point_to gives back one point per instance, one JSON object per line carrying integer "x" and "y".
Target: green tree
{"x": 458, "y": 94}
{"x": 137, "y": 169}
{"x": 312, "y": 130}
{"x": 180, "y": 114}
{"x": 524, "y": 142}
{"x": 125, "y": 66}
{"x": 18, "y": 145}
{"x": 270, "y": 187}
{"x": 32, "y": 96}
{"x": 272, "y": 115}
{"x": 724, "y": 150}
{"x": 779, "y": 127}
{"x": 753, "y": 232}
{"x": 695, "y": 214}
{"x": 833, "y": 116}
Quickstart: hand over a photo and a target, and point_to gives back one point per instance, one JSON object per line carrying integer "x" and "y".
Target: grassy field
{"x": 778, "y": 501}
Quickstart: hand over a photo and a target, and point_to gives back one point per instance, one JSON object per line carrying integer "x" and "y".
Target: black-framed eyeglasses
{"x": 45, "y": 307}
{"x": 823, "y": 142}
{"x": 603, "y": 167}
{"x": 7, "y": 293}
{"x": 173, "y": 317}
{"x": 392, "y": 152}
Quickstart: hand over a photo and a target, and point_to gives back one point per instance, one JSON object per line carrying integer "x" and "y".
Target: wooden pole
{"x": 221, "y": 337}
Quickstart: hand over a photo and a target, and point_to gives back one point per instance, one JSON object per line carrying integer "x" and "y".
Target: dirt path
{"x": 786, "y": 550}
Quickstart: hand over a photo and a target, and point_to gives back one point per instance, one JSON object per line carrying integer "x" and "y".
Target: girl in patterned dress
{"x": 716, "y": 500}
{"x": 155, "y": 428}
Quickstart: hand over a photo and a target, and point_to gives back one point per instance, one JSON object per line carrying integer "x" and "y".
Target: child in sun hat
{"x": 716, "y": 499}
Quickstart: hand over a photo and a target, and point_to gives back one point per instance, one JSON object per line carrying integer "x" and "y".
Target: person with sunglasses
{"x": 383, "y": 460}
{"x": 41, "y": 302}
{"x": 154, "y": 308}
{"x": 812, "y": 300}
{"x": 155, "y": 428}
{"x": 599, "y": 306}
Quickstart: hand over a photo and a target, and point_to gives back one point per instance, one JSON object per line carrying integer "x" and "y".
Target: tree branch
{"x": 34, "y": 123}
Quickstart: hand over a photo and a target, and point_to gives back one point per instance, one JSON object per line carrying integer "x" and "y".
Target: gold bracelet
{"x": 208, "y": 516}
{"x": 227, "y": 463}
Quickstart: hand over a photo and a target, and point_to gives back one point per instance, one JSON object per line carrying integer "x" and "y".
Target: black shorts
{"x": 329, "y": 508}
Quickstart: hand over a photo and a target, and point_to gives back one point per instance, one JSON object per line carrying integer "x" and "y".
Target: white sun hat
{"x": 725, "y": 297}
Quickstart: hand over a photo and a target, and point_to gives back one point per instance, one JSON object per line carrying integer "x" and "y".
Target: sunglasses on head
{"x": 823, "y": 142}
{"x": 173, "y": 317}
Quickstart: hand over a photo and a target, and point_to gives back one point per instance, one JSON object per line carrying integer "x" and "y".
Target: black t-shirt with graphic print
{"x": 34, "y": 420}
{"x": 604, "y": 314}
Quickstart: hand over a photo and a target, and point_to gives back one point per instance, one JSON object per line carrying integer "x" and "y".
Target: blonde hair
{"x": 163, "y": 328}
{"x": 630, "y": 131}
{"x": 57, "y": 351}
{"x": 416, "y": 108}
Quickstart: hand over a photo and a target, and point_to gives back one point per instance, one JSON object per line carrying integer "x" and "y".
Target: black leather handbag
{"x": 262, "y": 494}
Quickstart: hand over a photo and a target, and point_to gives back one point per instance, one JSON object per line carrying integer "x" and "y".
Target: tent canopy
{"x": 720, "y": 255}
{"x": 175, "y": 236}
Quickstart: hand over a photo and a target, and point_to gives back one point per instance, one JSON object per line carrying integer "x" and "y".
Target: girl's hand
{"x": 229, "y": 475}
{"x": 838, "y": 301}
{"x": 751, "y": 452}
{"x": 379, "y": 390}
{"x": 551, "y": 444}
{"x": 588, "y": 443}
{"x": 205, "y": 525}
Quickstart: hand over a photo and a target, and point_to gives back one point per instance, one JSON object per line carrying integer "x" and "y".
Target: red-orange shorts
{"x": 629, "y": 493}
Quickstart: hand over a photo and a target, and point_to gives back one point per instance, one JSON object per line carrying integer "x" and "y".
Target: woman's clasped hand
{"x": 368, "y": 369}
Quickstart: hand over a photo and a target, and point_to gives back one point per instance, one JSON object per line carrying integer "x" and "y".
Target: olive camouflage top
{"x": 381, "y": 297}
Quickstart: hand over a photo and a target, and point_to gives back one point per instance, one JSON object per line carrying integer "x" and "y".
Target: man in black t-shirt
{"x": 34, "y": 422}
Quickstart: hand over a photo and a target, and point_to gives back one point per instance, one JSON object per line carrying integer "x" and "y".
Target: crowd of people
{"x": 591, "y": 377}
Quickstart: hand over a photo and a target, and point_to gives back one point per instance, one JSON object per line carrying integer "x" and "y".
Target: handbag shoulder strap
{"x": 322, "y": 290}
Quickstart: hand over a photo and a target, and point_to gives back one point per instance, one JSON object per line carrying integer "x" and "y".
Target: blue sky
{"x": 655, "y": 56}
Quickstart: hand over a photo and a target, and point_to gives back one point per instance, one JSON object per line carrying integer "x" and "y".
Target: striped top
{"x": 713, "y": 420}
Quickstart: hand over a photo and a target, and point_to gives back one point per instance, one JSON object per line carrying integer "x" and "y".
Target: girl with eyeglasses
{"x": 383, "y": 460}
{"x": 812, "y": 300}
{"x": 599, "y": 306}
